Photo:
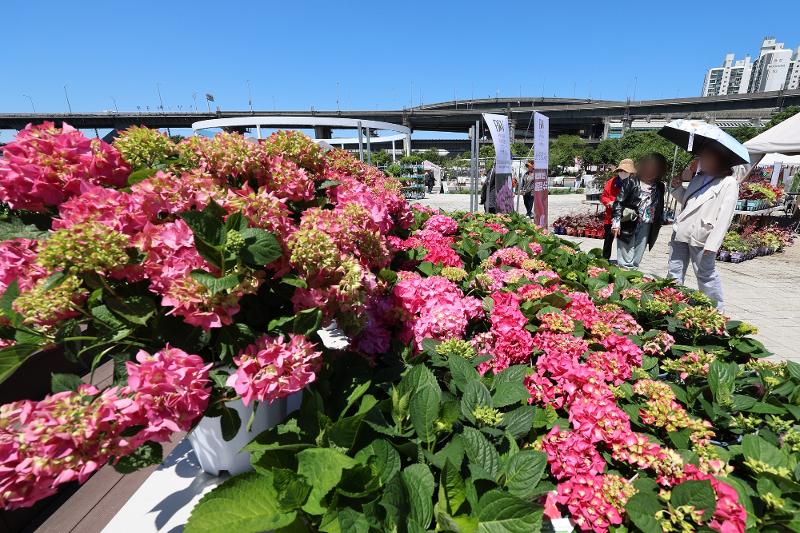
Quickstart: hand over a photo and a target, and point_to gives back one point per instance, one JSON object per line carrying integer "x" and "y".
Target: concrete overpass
{"x": 588, "y": 118}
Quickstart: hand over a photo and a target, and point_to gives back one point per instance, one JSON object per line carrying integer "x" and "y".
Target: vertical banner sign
{"x": 541, "y": 161}
{"x": 498, "y": 127}
{"x": 776, "y": 173}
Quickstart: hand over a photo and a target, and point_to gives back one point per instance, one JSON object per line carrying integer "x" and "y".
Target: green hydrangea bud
{"x": 42, "y": 306}
{"x": 234, "y": 241}
{"x": 85, "y": 247}
{"x": 457, "y": 347}
{"x": 313, "y": 251}
{"x": 487, "y": 416}
{"x": 455, "y": 274}
{"x": 144, "y": 147}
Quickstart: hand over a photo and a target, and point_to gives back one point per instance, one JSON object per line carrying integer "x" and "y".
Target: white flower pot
{"x": 216, "y": 455}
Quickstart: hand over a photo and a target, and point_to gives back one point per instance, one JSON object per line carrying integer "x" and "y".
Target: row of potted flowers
{"x": 745, "y": 242}
{"x": 580, "y": 225}
{"x": 757, "y": 195}
{"x": 487, "y": 376}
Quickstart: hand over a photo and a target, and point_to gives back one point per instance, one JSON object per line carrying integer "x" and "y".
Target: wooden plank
{"x": 98, "y": 500}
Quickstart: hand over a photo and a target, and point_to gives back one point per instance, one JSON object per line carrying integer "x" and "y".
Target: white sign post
{"x": 498, "y": 127}
{"x": 776, "y": 173}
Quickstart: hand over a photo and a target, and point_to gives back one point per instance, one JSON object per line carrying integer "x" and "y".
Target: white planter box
{"x": 216, "y": 455}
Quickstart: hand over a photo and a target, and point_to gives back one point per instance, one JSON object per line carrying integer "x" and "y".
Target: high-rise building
{"x": 776, "y": 68}
{"x": 732, "y": 77}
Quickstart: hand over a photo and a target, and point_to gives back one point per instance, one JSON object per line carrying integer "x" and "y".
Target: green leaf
{"x": 698, "y": 493}
{"x": 452, "y": 491}
{"x": 641, "y": 510}
{"x": 12, "y": 357}
{"x": 395, "y": 503}
{"x": 524, "y": 471}
{"x": 481, "y": 453}
{"x": 463, "y": 371}
{"x": 245, "y": 504}
{"x": 235, "y": 222}
{"x": 260, "y": 247}
{"x": 500, "y": 511}
{"x": 307, "y": 321}
{"x": 519, "y": 421}
{"x": 721, "y": 379}
{"x": 512, "y": 374}
{"x": 419, "y": 485}
{"x": 322, "y": 468}
{"x": 230, "y": 422}
{"x": 148, "y": 454}
{"x": 214, "y": 284}
{"x": 134, "y": 309}
{"x": 754, "y": 447}
{"x": 475, "y": 394}
{"x": 510, "y": 393}
{"x": 206, "y": 227}
{"x": 140, "y": 175}
{"x": 292, "y": 490}
{"x": 64, "y": 382}
{"x": 345, "y": 520}
{"x": 424, "y": 405}
{"x": 383, "y": 455}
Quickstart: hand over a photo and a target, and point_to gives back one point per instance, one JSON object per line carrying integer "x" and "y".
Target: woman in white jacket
{"x": 708, "y": 205}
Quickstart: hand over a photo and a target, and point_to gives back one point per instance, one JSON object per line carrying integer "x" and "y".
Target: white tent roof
{"x": 785, "y": 160}
{"x": 783, "y": 138}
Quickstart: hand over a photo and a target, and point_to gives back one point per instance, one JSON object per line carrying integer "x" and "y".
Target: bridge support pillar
{"x": 627, "y": 122}
{"x": 606, "y": 127}
{"x": 323, "y": 132}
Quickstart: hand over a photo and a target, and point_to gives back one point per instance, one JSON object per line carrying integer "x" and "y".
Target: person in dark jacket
{"x": 638, "y": 210}
{"x": 611, "y": 189}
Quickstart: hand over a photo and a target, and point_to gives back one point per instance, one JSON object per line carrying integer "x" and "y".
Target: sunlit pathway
{"x": 764, "y": 291}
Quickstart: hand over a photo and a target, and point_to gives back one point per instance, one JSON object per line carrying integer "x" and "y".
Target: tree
{"x": 519, "y": 149}
{"x": 744, "y": 133}
{"x": 564, "y": 149}
{"x": 783, "y": 115}
{"x": 382, "y": 158}
{"x": 607, "y": 152}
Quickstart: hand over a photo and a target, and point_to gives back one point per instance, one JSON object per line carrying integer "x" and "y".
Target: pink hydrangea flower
{"x": 171, "y": 390}
{"x": 272, "y": 368}
{"x": 18, "y": 262}
{"x": 119, "y": 210}
{"x": 442, "y": 224}
{"x": 44, "y": 166}
{"x": 570, "y": 454}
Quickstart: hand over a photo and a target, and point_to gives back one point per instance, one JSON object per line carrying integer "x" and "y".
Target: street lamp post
{"x": 66, "y": 95}
{"x": 194, "y": 97}
{"x": 116, "y": 108}
{"x": 249, "y": 97}
{"x": 161, "y": 100}
{"x": 31, "y": 99}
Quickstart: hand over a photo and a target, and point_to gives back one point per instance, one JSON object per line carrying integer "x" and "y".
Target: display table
{"x": 760, "y": 212}
{"x": 165, "y": 500}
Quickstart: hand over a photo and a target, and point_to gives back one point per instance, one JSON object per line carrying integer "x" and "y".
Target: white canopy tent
{"x": 785, "y": 160}
{"x": 783, "y": 138}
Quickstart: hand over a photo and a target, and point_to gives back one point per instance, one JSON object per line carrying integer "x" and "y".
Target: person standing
{"x": 708, "y": 205}
{"x": 526, "y": 188}
{"x": 610, "y": 192}
{"x": 430, "y": 181}
{"x": 638, "y": 211}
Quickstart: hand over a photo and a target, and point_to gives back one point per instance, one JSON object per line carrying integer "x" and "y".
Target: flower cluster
{"x": 702, "y": 320}
{"x": 44, "y": 166}
{"x": 433, "y": 308}
{"x": 69, "y": 435}
{"x": 273, "y": 368}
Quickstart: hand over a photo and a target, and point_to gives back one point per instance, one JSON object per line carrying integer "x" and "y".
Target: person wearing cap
{"x": 639, "y": 210}
{"x": 611, "y": 189}
{"x": 708, "y": 202}
{"x": 526, "y": 188}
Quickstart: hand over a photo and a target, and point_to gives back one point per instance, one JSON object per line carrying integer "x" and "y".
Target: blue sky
{"x": 296, "y": 53}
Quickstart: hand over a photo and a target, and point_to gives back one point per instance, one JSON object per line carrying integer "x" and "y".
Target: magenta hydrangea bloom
{"x": 44, "y": 166}
{"x": 272, "y": 368}
{"x": 18, "y": 262}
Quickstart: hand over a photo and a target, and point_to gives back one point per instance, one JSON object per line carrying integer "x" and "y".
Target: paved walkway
{"x": 764, "y": 291}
